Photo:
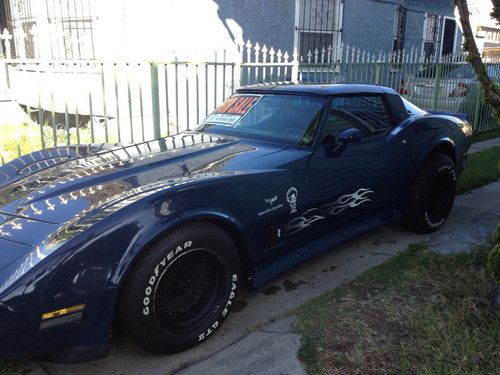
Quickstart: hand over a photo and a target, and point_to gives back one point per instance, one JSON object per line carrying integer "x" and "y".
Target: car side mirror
{"x": 350, "y": 135}
{"x": 343, "y": 139}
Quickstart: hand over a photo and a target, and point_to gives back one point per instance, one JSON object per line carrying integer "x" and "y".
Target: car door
{"x": 348, "y": 181}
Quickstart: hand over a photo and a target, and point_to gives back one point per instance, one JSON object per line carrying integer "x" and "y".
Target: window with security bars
{"x": 20, "y": 21}
{"x": 370, "y": 111}
{"x": 430, "y": 38}
{"x": 318, "y": 26}
{"x": 70, "y": 23}
{"x": 399, "y": 31}
{"x": 78, "y": 38}
{"x": 29, "y": 42}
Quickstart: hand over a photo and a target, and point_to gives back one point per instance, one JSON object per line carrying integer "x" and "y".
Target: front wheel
{"x": 433, "y": 194}
{"x": 181, "y": 289}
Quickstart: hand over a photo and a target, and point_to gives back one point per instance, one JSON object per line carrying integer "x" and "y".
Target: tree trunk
{"x": 491, "y": 91}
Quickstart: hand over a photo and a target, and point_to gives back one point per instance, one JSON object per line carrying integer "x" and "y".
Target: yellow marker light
{"x": 65, "y": 311}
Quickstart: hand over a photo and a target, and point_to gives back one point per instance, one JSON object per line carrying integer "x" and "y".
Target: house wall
{"x": 368, "y": 24}
{"x": 268, "y": 22}
{"x": 194, "y": 29}
{"x": 161, "y": 29}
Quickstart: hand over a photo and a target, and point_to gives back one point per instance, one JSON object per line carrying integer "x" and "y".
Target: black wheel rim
{"x": 440, "y": 197}
{"x": 189, "y": 289}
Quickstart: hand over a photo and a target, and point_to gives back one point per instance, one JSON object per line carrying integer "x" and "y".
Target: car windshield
{"x": 411, "y": 108}
{"x": 290, "y": 118}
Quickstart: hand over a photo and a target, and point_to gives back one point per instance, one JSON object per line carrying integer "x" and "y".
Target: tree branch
{"x": 491, "y": 92}
{"x": 496, "y": 10}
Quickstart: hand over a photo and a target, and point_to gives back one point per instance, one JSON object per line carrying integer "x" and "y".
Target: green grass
{"x": 484, "y": 136}
{"x": 419, "y": 313}
{"x": 14, "y": 367}
{"x": 20, "y": 139}
{"x": 482, "y": 168}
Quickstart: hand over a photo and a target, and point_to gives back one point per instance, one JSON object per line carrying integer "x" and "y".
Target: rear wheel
{"x": 433, "y": 194}
{"x": 181, "y": 289}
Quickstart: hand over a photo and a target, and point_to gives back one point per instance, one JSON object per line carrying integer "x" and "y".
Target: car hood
{"x": 72, "y": 186}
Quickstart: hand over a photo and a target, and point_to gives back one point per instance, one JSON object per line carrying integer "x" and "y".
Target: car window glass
{"x": 412, "y": 109}
{"x": 368, "y": 113}
{"x": 286, "y": 117}
{"x": 336, "y": 123}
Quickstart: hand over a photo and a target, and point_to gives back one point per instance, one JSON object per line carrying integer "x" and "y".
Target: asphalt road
{"x": 472, "y": 219}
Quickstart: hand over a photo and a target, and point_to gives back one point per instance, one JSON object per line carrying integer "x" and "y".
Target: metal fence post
{"x": 436, "y": 85}
{"x": 378, "y": 73}
{"x": 7, "y": 77}
{"x": 155, "y": 100}
{"x": 295, "y": 66}
{"x": 477, "y": 110}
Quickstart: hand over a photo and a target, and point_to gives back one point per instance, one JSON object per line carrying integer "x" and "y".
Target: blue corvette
{"x": 160, "y": 236}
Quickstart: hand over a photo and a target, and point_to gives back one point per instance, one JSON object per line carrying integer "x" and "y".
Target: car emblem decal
{"x": 291, "y": 197}
{"x": 272, "y": 208}
{"x": 271, "y": 201}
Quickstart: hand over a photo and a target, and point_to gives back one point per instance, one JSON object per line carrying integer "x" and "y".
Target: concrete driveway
{"x": 472, "y": 219}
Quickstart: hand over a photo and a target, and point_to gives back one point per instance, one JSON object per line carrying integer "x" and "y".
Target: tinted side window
{"x": 396, "y": 108}
{"x": 337, "y": 122}
{"x": 368, "y": 112}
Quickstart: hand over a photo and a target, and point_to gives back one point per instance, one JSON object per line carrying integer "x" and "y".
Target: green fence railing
{"x": 78, "y": 102}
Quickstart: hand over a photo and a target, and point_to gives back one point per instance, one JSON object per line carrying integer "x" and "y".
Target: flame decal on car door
{"x": 348, "y": 201}
{"x": 331, "y": 209}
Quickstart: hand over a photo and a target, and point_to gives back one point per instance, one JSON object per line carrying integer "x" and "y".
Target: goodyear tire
{"x": 433, "y": 194}
{"x": 181, "y": 289}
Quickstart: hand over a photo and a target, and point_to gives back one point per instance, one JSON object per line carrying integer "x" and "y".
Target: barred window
{"x": 430, "y": 38}
{"x": 318, "y": 26}
{"x": 368, "y": 113}
{"x": 399, "y": 29}
{"x": 72, "y": 21}
{"x": 70, "y": 24}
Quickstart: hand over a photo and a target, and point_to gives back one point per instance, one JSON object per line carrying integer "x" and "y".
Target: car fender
{"x": 434, "y": 133}
{"x": 151, "y": 233}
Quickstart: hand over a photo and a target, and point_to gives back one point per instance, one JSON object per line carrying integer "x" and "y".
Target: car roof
{"x": 316, "y": 89}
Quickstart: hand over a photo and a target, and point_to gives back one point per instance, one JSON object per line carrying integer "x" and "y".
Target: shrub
{"x": 496, "y": 235}
{"x": 494, "y": 261}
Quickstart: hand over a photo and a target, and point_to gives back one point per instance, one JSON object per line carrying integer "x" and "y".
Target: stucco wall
{"x": 269, "y": 22}
{"x": 368, "y": 24}
{"x": 195, "y": 28}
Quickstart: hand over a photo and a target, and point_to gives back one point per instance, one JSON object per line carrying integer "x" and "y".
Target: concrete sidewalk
{"x": 480, "y": 146}
{"x": 270, "y": 350}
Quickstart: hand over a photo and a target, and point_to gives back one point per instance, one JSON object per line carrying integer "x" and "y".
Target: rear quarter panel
{"x": 434, "y": 130}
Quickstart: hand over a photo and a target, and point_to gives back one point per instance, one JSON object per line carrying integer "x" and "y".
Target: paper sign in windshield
{"x": 233, "y": 109}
